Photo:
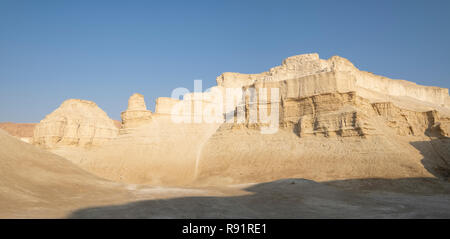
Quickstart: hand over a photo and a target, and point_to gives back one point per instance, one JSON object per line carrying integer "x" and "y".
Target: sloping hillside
{"x": 33, "y": 180}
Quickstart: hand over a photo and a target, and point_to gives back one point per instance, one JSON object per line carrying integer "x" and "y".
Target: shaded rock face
{"x": 75, "y": 123}
{"x": 136, "y": 114}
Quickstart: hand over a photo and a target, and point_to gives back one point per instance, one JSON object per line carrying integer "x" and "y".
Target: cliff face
{"x": 330, "y": 136}
{"x": 75, "y": 123}
{"x": 334, "y": 121}
{"x": 136, "y": 113}
{"x": 309, "y": 75}
{"x": 326, "y": 120}
{"x": 332, "y": 97}
{"x": 347, "y": 114}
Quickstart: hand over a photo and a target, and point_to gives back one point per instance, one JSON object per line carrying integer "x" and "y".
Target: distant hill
{"x": 21, "y": 130}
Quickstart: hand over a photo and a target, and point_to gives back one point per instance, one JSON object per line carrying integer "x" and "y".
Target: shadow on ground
{"x": 436, "y": 155}
{"x": 300, "y": 198}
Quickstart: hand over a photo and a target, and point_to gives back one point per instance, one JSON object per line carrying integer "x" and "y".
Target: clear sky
{"x": 106, "y": 50}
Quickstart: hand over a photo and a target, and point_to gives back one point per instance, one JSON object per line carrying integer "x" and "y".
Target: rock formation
{"x": 136, "y": 114}
{"x": 75, "y": 123}
{"x": 331, "y": 120}
{"x": 195, "y": 107}
{"x": 345, "y": 120}
{"x": 164, "y": 105}
{"x": 23, "y": 131}
{"x": 332, "y": 97}
{"x": 306, "y": 75}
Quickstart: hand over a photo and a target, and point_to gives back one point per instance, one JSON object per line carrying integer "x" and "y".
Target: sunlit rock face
{"x": 75, "y": 123}
{"x": 326, "y": 120}
{"x": 136, "y": 114}
{"x": 313, "y": 75}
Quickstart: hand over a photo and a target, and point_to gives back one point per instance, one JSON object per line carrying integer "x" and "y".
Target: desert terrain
{"x": 310, "y": 138}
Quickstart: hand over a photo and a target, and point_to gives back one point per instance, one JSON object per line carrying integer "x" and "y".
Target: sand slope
{"x": 37, "y": 184}
{"x": 32, "y": 179}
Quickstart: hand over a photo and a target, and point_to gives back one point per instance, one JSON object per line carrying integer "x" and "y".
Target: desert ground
{"x": 38, "y": 184}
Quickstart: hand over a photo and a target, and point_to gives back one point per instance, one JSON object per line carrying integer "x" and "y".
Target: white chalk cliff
{"x": 306, "y": 75}
{"x": 75, "y": 123}
{"x": 136, "y": 113}
{"x": 334, "y": 122}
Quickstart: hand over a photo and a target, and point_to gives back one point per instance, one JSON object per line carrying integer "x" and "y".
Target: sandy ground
{"x": 287, "y": 198}
{"x": 38, "y": 184}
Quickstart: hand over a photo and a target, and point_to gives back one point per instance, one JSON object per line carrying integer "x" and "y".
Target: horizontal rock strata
{"x": 75, "y": 123}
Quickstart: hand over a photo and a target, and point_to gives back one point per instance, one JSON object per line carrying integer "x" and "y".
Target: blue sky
{"x": 106, "y": 50}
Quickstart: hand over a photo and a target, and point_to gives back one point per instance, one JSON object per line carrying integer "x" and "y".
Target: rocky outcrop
{"x": 23, "y": 131}
{"x": 332, "y": 97}
{"x": 164, "y": 105}
{"x": 309, "y": 75}
{"x": 332, "y": 114}
{"x": 443, "y": 127}
{"x": 348, "y": 123}
{"x": 195, "y": 107}
{"x": 406, "y": 122}
{"x": 309, "y": 117}
{"x": 75, "y": 123}
{"x": 136, "y": 114}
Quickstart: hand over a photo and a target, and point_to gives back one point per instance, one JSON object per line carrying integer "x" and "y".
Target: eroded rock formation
{"x": 306, "y": 75}
{"x": 136, "y": 114}
{"x": 331, "y": 120}
{"x": 348, "y": 124}
{"x": 75, "y": 123}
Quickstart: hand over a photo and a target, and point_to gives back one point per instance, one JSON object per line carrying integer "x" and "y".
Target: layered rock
{"x": 75, "y": 123}
{"x": 344, "y": 114}
{"x": 136, "y": 114}
{"x": 373, "y": 126}
{"x": 195, "y": 107}
{"x": 329, "y": 136}
{"x": 164, "y": 105}
{"x": 23, "y": 131}
{"x": 312, "y": 74}
{"x": 331, "y": 120}
{"x": 332, "y": 97}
